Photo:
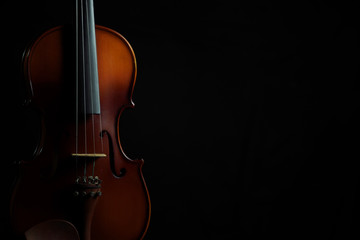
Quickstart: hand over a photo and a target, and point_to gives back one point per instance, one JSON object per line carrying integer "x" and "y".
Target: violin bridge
{"x": 90, "y": 155}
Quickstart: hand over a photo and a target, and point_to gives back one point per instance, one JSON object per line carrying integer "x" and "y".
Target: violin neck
{"x": 87, "y": 80}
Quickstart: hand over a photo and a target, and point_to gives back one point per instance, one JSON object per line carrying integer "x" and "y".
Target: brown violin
{"x": 79, "y": 184}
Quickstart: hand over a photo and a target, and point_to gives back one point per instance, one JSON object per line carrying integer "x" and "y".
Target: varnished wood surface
{"x": 123, "y": 209}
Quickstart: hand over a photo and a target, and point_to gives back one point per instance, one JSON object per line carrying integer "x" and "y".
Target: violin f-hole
{"x": 111, "y": 156}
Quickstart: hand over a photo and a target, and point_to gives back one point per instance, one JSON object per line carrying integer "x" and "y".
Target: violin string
{"x": 84, "y": 80}
{"x": 77, "y": 87}
{"x": 100, "y": 118}
{"x": 93, "y": 78}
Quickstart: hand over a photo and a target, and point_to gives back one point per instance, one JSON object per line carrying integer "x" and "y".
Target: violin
{"x": 79, "y": 183}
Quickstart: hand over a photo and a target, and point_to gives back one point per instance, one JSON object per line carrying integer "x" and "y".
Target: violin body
{"x": 79, "y": 172}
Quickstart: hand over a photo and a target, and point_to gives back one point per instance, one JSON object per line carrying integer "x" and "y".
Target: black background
{"x": 246, "y": 112}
